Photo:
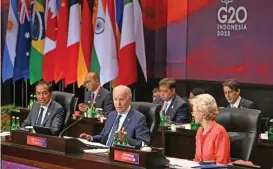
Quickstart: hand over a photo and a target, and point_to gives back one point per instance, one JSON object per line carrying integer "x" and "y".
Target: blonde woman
{"x": 212, "y": 140}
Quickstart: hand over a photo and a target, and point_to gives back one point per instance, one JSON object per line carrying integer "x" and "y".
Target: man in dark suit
{"x": 232, "y": 93}
{"x": 174, "y": 105}
{"x": 124, "y": 118}
{"x": 96, "y": 95}
{"x": 46, "y": 112}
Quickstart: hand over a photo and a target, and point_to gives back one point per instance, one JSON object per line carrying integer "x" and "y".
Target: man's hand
{"x": 121, "y": 135}
{"x": 86, "y": 136}
{"x": 83, "y": 107}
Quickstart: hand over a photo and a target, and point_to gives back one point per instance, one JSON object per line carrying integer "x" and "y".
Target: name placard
{"x": 126, "y": 157}
{"x": 36, "y": 141}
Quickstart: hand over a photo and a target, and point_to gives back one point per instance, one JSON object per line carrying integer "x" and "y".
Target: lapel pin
{"x": 172, "y": 106}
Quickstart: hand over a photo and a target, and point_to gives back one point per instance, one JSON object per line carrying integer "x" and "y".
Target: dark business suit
{"x": 244, "y": 103}
{"x": 178, "y": 110}
{"x": 135, "y": 125}
{"x": 54, "y": 117}
{"x": 103, "y": 100}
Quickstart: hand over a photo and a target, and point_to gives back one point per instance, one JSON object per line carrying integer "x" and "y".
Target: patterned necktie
{"x": 39, "y": 120}
{"x": 112, "y": 132}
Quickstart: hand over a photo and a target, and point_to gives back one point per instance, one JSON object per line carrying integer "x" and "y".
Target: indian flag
{"x": 104, "y": 54}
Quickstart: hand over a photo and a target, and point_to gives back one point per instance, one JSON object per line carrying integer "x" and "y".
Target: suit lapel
{"x": 48, "y": 113}
{"x": 36, "y": 110}
{"x": 241, "y": 104}
{"x": 128, "y": 119}
{"x": 98, "y": 99}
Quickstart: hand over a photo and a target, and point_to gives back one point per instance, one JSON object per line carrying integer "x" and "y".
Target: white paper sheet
{"x": 181, "y": 163}
{"x": 95, "y": 151}
{"x": 5, "y": 133}
{"x": 92, "y": 143}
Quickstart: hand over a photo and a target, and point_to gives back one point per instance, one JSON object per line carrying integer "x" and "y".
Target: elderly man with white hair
{"x": 124, "y": 118}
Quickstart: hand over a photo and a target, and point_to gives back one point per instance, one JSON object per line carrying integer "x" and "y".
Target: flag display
{"x": 85, "y": 44}
{"x": 21, "y": 64}
{"x": 61, "y": 46}
{"x": 50, "y": 41}
{"x": 127, "y": 72}
{"x": 37, "y": 43}
{"x": 63, "y": 39}
{"x": 104, "y": 54}
{"x": 11, "y": 41}
{"x": 72, "y": 43}
{"x": 139, "y": 34}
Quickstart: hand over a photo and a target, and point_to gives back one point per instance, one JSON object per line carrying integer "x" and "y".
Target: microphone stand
{"x": 60, "y": 135}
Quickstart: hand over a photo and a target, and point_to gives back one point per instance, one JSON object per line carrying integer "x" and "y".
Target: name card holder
{"x": 59, "y": 144}
{"x": 153, "y": 159}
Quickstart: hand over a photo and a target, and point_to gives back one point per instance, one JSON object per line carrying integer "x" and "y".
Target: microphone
{"x": 60, "y": 135}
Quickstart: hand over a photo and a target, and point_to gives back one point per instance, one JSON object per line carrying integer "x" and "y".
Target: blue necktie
{"x": 39, "y": 120}
{"x": 112, "y": 132}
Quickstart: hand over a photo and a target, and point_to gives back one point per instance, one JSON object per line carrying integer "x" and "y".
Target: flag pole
{"x": 62, "y": 84}
{"x": 74, "y": 88}
{"x": 22, "y": 94}
{"x": 134, "y": 95}
{"x": 14, "y": 94}
{"x": 26, "y": 91}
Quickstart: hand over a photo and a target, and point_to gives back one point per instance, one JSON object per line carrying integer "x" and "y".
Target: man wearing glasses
{"x": 96, "y": 95}
{"x": 232, "y": 93}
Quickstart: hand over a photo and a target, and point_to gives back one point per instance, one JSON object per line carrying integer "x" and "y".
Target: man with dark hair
{"x": 174, "y": 105}
{"x": 96, "y": 95}
{"x": 46, "y": 112}
{"x": 232, "y": 93}
{"x": 155, "y": 93}
{"x": 196, "y": 91}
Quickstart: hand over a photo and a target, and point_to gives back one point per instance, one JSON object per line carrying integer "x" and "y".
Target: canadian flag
{"x": 50, "y": 40}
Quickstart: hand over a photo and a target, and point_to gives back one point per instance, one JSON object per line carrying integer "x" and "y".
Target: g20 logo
{"x": 231, "y": 15}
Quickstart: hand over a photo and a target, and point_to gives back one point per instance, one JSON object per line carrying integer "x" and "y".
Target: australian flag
{"x": 21, "y": 64}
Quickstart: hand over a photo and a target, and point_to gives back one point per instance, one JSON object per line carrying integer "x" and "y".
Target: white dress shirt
{"x": 123, "y": 117}
{"x": 236, "y": 104}
{"x": 45, "y": 107}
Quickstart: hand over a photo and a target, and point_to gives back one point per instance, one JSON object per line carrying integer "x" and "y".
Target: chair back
{"x": 243, "y": 127}
{"x": 151, "y": 112}
{"x": 67, "y": 101}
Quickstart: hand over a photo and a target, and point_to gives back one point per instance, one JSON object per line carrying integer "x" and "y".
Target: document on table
{"x": 5, "y": 133}
{"x": 181, "y": 163}
{"x": 94, "y": 151}
{"x": 92, "y": 143}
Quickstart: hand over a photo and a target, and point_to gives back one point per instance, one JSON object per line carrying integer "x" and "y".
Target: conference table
{"x": 41, "y": 158}
{"x": 179, "y": 144}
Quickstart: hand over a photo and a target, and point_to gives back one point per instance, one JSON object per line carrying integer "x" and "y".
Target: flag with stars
{"x": 21, "y": 64}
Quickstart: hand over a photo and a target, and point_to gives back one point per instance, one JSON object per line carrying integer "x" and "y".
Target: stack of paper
{"x": 181, "y": 163}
